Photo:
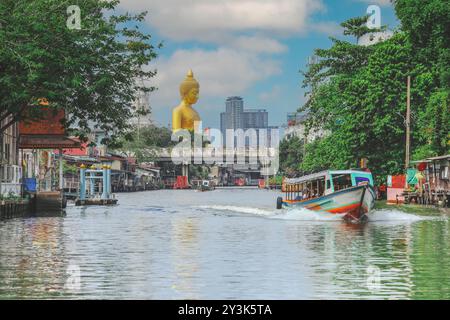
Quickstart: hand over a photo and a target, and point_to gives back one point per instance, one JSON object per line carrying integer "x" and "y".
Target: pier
{"x": 14, "y": 209}
{"x": 95, "y": 187}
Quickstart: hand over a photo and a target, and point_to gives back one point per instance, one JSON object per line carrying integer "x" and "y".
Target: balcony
{"x": 10, "y": 180}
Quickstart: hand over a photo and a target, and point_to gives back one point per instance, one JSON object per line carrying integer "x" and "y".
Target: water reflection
{"x": 162, "y": 245}
{"x": 185, "y": 255}
{"x": 32, "y": 258}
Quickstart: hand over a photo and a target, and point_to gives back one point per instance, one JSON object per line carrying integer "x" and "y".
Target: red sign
{"x": 398, "y": 181}
{"x": 422, "y": 166}
{"x": 49, "y": 123}
{"x": 239, "y": 182}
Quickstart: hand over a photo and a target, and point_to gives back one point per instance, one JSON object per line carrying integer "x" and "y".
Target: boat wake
{"x": 302, "y": 214}
{"x": 238, "y": 209}
{"x": 377, "y": 216}
{"x": 396, "y": 215}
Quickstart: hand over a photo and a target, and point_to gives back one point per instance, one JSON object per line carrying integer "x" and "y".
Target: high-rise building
{"x": 236, "y": 117}
{"x": 296, "y": 126}
{"x": 374, "y": 37}
{"x": 256, "y": 118}
{"x": 141, "y": 109}
{"x": 232, "y": 118}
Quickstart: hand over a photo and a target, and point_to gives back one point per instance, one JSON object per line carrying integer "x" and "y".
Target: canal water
{"x": 225, "y": 244}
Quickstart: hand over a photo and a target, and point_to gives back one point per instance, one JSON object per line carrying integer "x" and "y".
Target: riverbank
{"x": 423, "y": 210}
{"x": 14, "y": 208}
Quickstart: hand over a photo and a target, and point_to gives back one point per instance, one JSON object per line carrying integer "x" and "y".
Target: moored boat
{"x": 205, "y": 185}
{"x": 348, "y": 193}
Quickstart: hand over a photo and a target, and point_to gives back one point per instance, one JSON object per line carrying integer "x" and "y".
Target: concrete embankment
{"x": 14, "y": 209}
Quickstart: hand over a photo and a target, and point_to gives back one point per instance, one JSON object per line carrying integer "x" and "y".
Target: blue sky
{"x": 250, "y": 48}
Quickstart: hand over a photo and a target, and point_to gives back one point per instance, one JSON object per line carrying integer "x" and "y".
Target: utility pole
{"x": 408, "y": 125}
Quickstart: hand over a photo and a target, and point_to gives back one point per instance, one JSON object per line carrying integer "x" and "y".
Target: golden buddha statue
{"x": 184, "y": 116}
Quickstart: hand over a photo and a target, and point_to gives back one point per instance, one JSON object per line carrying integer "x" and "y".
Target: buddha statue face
{"x": 190, "y": 89}
{"x": 192, "y": 96}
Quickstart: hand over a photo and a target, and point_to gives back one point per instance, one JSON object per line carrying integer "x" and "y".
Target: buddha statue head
{"x": 184, "y": 116}
{"x": 189, "y": 89}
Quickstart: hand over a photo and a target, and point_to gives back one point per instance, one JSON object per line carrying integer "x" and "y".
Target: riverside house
{"x": 10, "y": 170}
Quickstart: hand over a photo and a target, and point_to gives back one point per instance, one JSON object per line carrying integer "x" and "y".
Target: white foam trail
{"x": 304, "y": 214}
{"x": 248, "y": 210}
{"x": 395, "y": 215}
{"x": 385, "y": 215}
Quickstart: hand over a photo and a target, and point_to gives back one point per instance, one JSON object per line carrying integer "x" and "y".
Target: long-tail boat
{"x": 348, "y": 193}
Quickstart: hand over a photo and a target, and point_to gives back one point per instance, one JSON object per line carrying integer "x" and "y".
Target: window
{"x": 444, "y": 173}
{"x": 359, "y": 180}
{"x": 341, "y": 181}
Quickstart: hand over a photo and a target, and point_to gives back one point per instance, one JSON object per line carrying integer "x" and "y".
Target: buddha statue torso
{"x": 188, "y": 117}
{"x": 184, "y": 116}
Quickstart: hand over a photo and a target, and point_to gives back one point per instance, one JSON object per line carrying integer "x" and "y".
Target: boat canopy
{"x": 326, "y": 174}
{"x": 309, "y": 177}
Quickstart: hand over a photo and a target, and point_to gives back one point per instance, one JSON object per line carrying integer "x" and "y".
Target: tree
{"x": 291, "y": 154}
{"x": 144, "y": 143}
{"x": 426, "y": 22}
{"x": 338, "y": 101}
{"x": 90, "y": 72}
{"x": 358, "y": 94}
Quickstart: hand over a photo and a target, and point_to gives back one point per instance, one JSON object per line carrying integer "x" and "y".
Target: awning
{"x": 439, "y": 158}
{"x": 46, "y": 142}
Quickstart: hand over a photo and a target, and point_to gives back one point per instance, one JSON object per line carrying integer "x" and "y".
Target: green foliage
{"x": 426, "y": 22}
{"x": 143, "y": 143}
{"x": 91, "y": 72}
{"x": 276, "y": 180}
{"x": 10, "y": 197}
{"x": 434, "y": 124}
{"x": 291, "y": 154}
{"x": 70, "y": 168}
{"x": 358, "y": 94}
{"x": 198, "y": 172}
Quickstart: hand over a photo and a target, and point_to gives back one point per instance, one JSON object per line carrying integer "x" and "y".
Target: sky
{"x": 248, "y": 48}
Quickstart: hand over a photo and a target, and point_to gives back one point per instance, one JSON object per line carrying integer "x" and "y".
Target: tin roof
{"x": 46, "y": 142}
{"x": 440, "y": 157}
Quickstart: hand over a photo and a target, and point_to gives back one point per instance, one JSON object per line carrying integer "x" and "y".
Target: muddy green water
{"x": 229, "y": 244}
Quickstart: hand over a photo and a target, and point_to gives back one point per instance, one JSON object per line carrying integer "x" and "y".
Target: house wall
{"x": 116, "y": 165}
{"x": 442, "y": 170}
{"x": 10, "y": 170}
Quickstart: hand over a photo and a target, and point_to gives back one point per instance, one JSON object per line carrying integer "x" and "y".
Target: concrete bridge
{"x": 228, "y": 157}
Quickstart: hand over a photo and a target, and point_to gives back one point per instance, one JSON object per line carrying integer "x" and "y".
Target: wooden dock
{"x": 14, "y": 209}
{"x": 96, "y": 202}
{"x": 49, "y": 203}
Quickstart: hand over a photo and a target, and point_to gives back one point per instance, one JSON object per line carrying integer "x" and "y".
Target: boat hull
{"x": 352, "y": 204}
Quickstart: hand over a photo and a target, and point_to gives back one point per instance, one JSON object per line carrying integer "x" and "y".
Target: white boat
{"x": 348, "y": 193}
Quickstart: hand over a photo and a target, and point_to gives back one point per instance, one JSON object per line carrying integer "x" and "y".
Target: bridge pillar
{"x": 82, "y": 182}
{"x": 185, "y": 170}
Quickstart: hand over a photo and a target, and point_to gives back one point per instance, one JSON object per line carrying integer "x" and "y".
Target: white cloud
{"x": 221, "y": 72}
{"x": 209, "y": 20}
{"x": 258, "y": 44}
{"x": 383, "y": 3}
{"x": 271, "y": 95}
{"x": 245, "y": 34}
{"x": 329, "y": 28}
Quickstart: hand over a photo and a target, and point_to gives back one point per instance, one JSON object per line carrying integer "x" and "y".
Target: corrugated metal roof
{"x": 440, "y": 157}
{"x": 46, "y": 142}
